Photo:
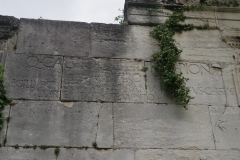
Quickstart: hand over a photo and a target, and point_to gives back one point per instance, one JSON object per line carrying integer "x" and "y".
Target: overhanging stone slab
{"x": 53, "y": 37}
{"x": 162, "y": 126}
{"x": 226, "y": 126}
{"x": 33, "y": 76}
{"x": 8, "y": 153}
{"x": 58, "y": 124}
{"x": 156, "y": 154}
{"x": 91, "y": 154}
{"x": 103, "y": 80}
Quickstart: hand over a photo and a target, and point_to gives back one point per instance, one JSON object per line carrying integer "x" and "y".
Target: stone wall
{"x": 76, "y": 84}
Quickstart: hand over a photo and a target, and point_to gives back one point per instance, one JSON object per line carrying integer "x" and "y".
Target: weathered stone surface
{"x": 226, "y": 126}
{"x": 105, "y": 127}
{"x": 53, "y": 37}
{"x": 26, "y": 154}
{"x": 229, "y": 24}
{"x": 103, "y": 80}
{"x": 3, "y": 131}
{"x": 205, "y": 83}
{"x": 57, "y": 124}
{"x": 208, "y": 55}
{"x": 33, "y": 76}
{"x": 122, "y": 41}
{"x": 3, "y": 57}
{"x": 200, "y": 39}
{"x": 146, "y": 19}
{"x": 91, "y": 154}
{"x": 8, "y": 26}
{"x": 228, "y": 16}
{"x": 230, "y": 87}
{"x": 162, "y": 126}
{"x": 156, "y": 154}
{"x": 236, "y": 77}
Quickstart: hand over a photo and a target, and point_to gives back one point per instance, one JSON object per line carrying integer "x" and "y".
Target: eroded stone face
{"x": 8, "y": 153}
{"x": 226, "y": 126}
{"x": 103, "y": 80}
{"x": 33, "y": 76}
{"x": 53, "y": 37}
{"x": 162, "y": 126}
{"x": 59, "y": 124}
{"x": 91, "y": 154}
{"x": 154, "y": 154}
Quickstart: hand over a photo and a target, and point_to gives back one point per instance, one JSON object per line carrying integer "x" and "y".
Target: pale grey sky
{"x": 103, "y": 11}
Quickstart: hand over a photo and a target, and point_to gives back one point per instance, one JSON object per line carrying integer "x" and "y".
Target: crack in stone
{"x": 98, "y": 122}
{"x": 214, "y": 140}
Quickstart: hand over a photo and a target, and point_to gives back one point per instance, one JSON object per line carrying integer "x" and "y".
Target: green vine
{"x": 165, "y": 60}
{"x": 4, "y": 100}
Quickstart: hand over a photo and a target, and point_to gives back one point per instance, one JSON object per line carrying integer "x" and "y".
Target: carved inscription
{"x": 33, "y": 76}
{"x": 103, "y": 80}
{"x": 205, "y": 83}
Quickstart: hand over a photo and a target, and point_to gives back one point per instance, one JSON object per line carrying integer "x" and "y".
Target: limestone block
{"x": 105, "y": 127}
{"x": 226, "y": 126}
{"x": 33, "y": 76}
{"x": 121, "y": 41}
{"x": 146, "y": 19}
{"x": 162, "y": 126}
{"x": 201, "y": 22}
{"x": 59, "y": 124}
{"x": 228, "y": 24}
{"x": 200, "y": 39}
{"x": 229, "y": 84}
{"x": 236, "y": 77}
{"x": 205, "y": 83}
{"x": 103, "y": 80}
{"x": 91, "y": 154}
{"x": 200, "y": 14}
{"x": 208, "y": 55}
{"x": 156, "y": 154}
{"x": 3, "y": 131}
{"x": 228, "y": 16}
{"x": 26, "y": 154}
{"x": 53, "y": 37}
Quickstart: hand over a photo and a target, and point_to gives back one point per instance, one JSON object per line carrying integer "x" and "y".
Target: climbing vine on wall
{"x": 165, "y": 60}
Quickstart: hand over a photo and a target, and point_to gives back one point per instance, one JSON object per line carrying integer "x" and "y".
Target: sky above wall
{"x": 103, "y": 11}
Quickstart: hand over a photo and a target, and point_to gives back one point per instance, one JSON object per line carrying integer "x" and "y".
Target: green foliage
{"x": 16, "y": 146}
{"x": 144, "y": 69}
{"x": 4, "y": 100}
{"x": 94, "y": 144}
{"x": 165, "y": 60}
{"x": 120, "y": 18}
{"x": 57, "y": 151}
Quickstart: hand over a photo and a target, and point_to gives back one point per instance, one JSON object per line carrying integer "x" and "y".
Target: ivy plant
{"x": 165, "y": 60}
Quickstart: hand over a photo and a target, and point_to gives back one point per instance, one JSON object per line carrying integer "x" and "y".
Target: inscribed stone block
{"x": 8, "y": 153}
{"x": 91, "y": 154}
{"x": 156, "y": 154}
{"x": 162, "y": 126}
{"x": 57, "y": 124}
{"x": 103, "y": 80}
{"x": 226, "y": 126}
{"x": 53, "y": 37}
{"x": 205, "y": 83}
{"x": 33, "y": 76}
